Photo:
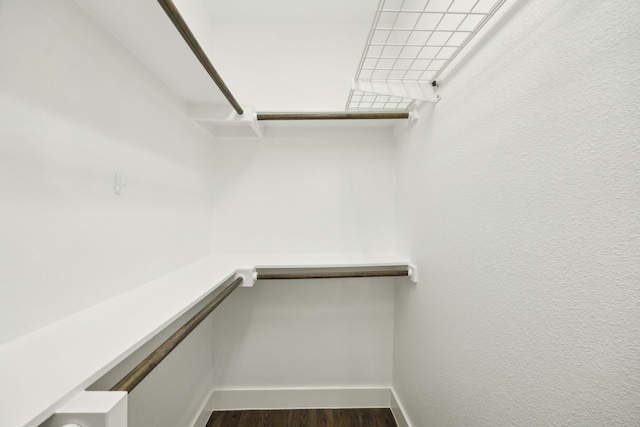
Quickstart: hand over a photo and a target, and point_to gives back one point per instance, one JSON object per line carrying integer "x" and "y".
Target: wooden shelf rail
{"x": 331, "y": 274}
{"x": 182, "y": 27}
{"x": 381, "y": 115}
{"x": 137, "y": 374}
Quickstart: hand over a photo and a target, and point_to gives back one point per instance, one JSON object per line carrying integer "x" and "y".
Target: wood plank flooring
{"x": 368, "y": 417}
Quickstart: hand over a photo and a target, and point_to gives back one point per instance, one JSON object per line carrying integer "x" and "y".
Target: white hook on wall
{"x": 118, "y": 184}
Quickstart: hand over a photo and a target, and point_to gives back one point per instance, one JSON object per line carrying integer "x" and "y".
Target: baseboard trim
{"x": 299, "y": 398}
{"x": 201, "y": 418}
{"x": 397, "y": 410}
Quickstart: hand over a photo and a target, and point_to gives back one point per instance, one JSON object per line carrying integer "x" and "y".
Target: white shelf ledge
{"x": 43, "y": 370}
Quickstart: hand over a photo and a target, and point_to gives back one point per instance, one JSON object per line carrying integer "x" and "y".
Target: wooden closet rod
{"x": 173, "y": 14}
{"x": 334, "y": 116}
{"x": 137, "y": 374}
{"x": 332, "y": 274}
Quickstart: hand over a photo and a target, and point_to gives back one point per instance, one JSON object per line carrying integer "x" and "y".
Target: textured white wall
{"x": 75, "y": 108}
{"x": 519, "y": 198}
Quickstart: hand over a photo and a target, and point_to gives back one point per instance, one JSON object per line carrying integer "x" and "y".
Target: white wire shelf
{"x": 415, "y": 41}
{"x": 361, "y": 100}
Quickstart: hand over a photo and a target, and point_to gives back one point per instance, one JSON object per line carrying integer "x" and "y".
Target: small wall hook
{"x": 118, "y": 184}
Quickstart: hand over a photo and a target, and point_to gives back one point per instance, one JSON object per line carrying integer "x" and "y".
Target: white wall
{"x": 306, "y": 191}
{"x": 75, "y": 108}
{"x": 518, "y": 199}
{"x": 305, "y": 334}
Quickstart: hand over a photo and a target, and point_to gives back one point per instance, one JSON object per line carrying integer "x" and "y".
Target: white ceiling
{"x": 278, "y": 55}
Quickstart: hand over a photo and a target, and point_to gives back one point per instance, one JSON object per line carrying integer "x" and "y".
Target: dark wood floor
{"x": 370, "y": 417}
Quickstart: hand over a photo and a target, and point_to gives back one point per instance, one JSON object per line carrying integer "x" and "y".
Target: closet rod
{"x": 137, "y": 374}
{"x": 334, "y": 116}
{"x": 332, "y": 274}
{"x": 182, "y": 27}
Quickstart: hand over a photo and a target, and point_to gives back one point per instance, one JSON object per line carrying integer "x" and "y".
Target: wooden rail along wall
{"x": 182, "y": 27}
{"x": 137, "y": 374}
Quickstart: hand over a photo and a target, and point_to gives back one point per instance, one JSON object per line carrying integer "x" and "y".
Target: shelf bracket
{"x": 215, "y": 115}
{"x": 413, "y": 273}
{"x": 249, "y": 277}
{"x": 93, "y": 409}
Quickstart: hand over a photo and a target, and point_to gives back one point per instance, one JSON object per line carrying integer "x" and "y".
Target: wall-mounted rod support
{"x": 334, "y": 116}
{"x": 332, "y": 274}
{"x": 173, "y": 14}
{"x": 137, "y": 374}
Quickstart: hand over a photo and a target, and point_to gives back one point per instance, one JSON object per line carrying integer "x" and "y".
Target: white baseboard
{"x": 299, "y": 398}
{"x": 201, "y": 418}
{"x": 397, "y": 411}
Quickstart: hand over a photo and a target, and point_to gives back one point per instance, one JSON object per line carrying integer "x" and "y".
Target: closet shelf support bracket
{"x": 413, "y": 273}
{"x": 94, "y": 409}
{"x": 249, "y": 277}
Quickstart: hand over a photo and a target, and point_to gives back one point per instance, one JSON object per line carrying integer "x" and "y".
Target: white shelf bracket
{"x": 413, "y": 273}
{"x": 213, "y": 116}
{"x": 257, "y": 127}
{"x": 93, "y": 409}
{"x": 414, "y": 115}
{"x": 248, "y": 277}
